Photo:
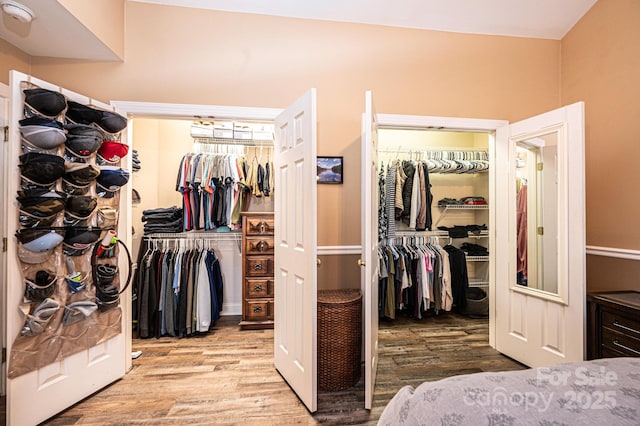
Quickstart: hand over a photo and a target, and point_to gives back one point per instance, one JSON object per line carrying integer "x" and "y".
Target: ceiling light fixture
{"x": 17, "y": 11}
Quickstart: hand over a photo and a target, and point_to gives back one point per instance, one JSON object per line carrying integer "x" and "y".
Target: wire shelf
{"x": 195, "y": 235}
{"x": 464, "y": 206}
{"x": 477, "y": 258}
{"x": 231, "y": 141}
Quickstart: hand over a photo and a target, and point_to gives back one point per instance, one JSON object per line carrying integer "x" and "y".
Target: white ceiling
{"x": 56, "y": 33}
{"x": 550, "y": 19}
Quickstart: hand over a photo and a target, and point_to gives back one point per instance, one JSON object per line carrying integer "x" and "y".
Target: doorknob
{"x": 361, "y": 263}
{"x": 318, "y": 261}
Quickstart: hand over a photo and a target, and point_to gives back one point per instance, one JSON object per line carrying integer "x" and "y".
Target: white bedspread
{"x": 601, "y": 392}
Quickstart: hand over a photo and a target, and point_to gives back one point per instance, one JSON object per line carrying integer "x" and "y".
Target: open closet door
{"x": 4, "y": 123}
{"x": 540, "y": 294}
{"x": 369, "y": 237}
{"x": 43, "y": 392}
{"x": 295, "y": 298}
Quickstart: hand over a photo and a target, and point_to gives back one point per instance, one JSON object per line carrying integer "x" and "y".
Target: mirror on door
{"x": 536, "y": 212}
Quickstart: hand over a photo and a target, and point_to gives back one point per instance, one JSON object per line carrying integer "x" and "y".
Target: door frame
{"x": 156, "y": 110}
{"x": 495, "y": 130}
{"x": 5, "y": 96}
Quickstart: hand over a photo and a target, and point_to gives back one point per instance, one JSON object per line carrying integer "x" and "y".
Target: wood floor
{"x": 227, "y": 377}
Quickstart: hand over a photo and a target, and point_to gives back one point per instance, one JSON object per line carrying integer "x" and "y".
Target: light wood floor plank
{"x": 227, "y": 377}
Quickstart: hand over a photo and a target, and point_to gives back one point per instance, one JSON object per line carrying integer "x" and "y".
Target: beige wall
{"x": 601, "y": 65}
{"x": 104, "y": 18}
{"x": 194, "y": 56}
{"x": 183, "y": 55}
{"x": 12, "y": 58}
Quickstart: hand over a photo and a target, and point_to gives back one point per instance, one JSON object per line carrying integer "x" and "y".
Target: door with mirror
{"x": 540, "y": 300}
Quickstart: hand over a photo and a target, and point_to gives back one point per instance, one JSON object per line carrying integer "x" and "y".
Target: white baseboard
{"x": 231, "y": 309}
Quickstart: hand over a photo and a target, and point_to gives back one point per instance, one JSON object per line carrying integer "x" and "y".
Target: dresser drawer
{"x": 260, "y": 226}
{"x": 259, "y": 266}
{"x": 620, "y": 323}
{"x": 619, "y": 342}
{"x": 258, "y": 245}
{"x": 257, "y": 310}
{"x": 257, "y": 288}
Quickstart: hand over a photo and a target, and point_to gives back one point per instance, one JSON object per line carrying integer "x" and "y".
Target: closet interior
{"x": 433, "y": 216}
{"x": 196, "y": 180}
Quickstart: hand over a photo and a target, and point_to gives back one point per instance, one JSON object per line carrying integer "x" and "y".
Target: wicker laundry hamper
{"x": 339, "y": 338}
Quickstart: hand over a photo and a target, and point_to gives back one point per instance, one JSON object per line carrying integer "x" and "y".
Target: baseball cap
{"x": 46, "y": 102}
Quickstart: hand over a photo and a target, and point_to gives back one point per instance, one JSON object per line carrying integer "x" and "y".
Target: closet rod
{"x": 423, "y": 149}
{"x": 215, "y": 236}
{"x": 421, "y": 234}
{"x": 482, "y": 234}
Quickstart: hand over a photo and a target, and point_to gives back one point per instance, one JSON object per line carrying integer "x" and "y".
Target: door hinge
{"x": 540, "y": 230}
{"x": 539, "y": 166}
{"x": 4, "y": 244}
{"x": 6, "y": 133}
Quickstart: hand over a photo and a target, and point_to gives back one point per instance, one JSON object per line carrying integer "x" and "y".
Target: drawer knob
{"x": 262, "y": 246}
{"x": 257, "y": 287}
{"x": 257, "y": 309}
{"x": 257, "y": 267}
{"x": 262, "y": 226}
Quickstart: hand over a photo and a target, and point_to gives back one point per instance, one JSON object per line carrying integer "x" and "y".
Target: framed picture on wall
{"x": 330, "y": 169}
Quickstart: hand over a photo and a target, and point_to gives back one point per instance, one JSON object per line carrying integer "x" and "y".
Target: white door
{"x": 42, "y": 393}
{"x": 540, "y": 316}
{"x": 295, "y": 295}
{"x": 369, "y": 236}
{"x": 4, "y": 121}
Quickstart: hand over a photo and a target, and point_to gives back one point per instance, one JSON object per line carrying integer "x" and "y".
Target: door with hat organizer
{"x": 67, "y": 270}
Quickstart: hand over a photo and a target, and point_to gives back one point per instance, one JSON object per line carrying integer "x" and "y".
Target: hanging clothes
{"x": 521, "y": 225}
{"x": 414, "y": 277}
{"x": 405, "y": 193}
{"x": 459, "y": 276}
{"x": 216, "y": 187}
{"x": 179, "y": 291}
{"x": 383, "y": 220}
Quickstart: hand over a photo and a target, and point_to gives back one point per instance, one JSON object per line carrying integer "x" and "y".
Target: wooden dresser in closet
{"x": 613, "y": 324}
{"x": 257, "y": 270}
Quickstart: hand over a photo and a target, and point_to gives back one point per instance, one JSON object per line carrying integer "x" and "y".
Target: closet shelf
{"x": 230, "y": 141}
{"x": 195, "y": 235}
{"x": 457, "y": 207}
{"x": 478, "y": 283}
{"x": 482, "y": 234}
{"x": 464, "y": 207}
{"x": 477, "y": 258}
{"x": 438, "y": 234}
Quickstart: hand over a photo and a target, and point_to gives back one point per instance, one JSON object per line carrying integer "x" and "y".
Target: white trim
{"x": 186, "y": 111}
{"x": 231, "y": 309}
{"x": 440, "y": 123}
{"x": 616, "y": 252}
{"x": 499, "y": 131}
{"x": 189, "y": 111}
{"x": 329, "y": 250}
{"x": 5, "y": 96}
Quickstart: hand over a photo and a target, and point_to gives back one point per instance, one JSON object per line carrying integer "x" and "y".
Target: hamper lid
{"x": 338, "y": 296}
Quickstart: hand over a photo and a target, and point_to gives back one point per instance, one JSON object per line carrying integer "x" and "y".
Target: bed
{"x": 599, "y": 392}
